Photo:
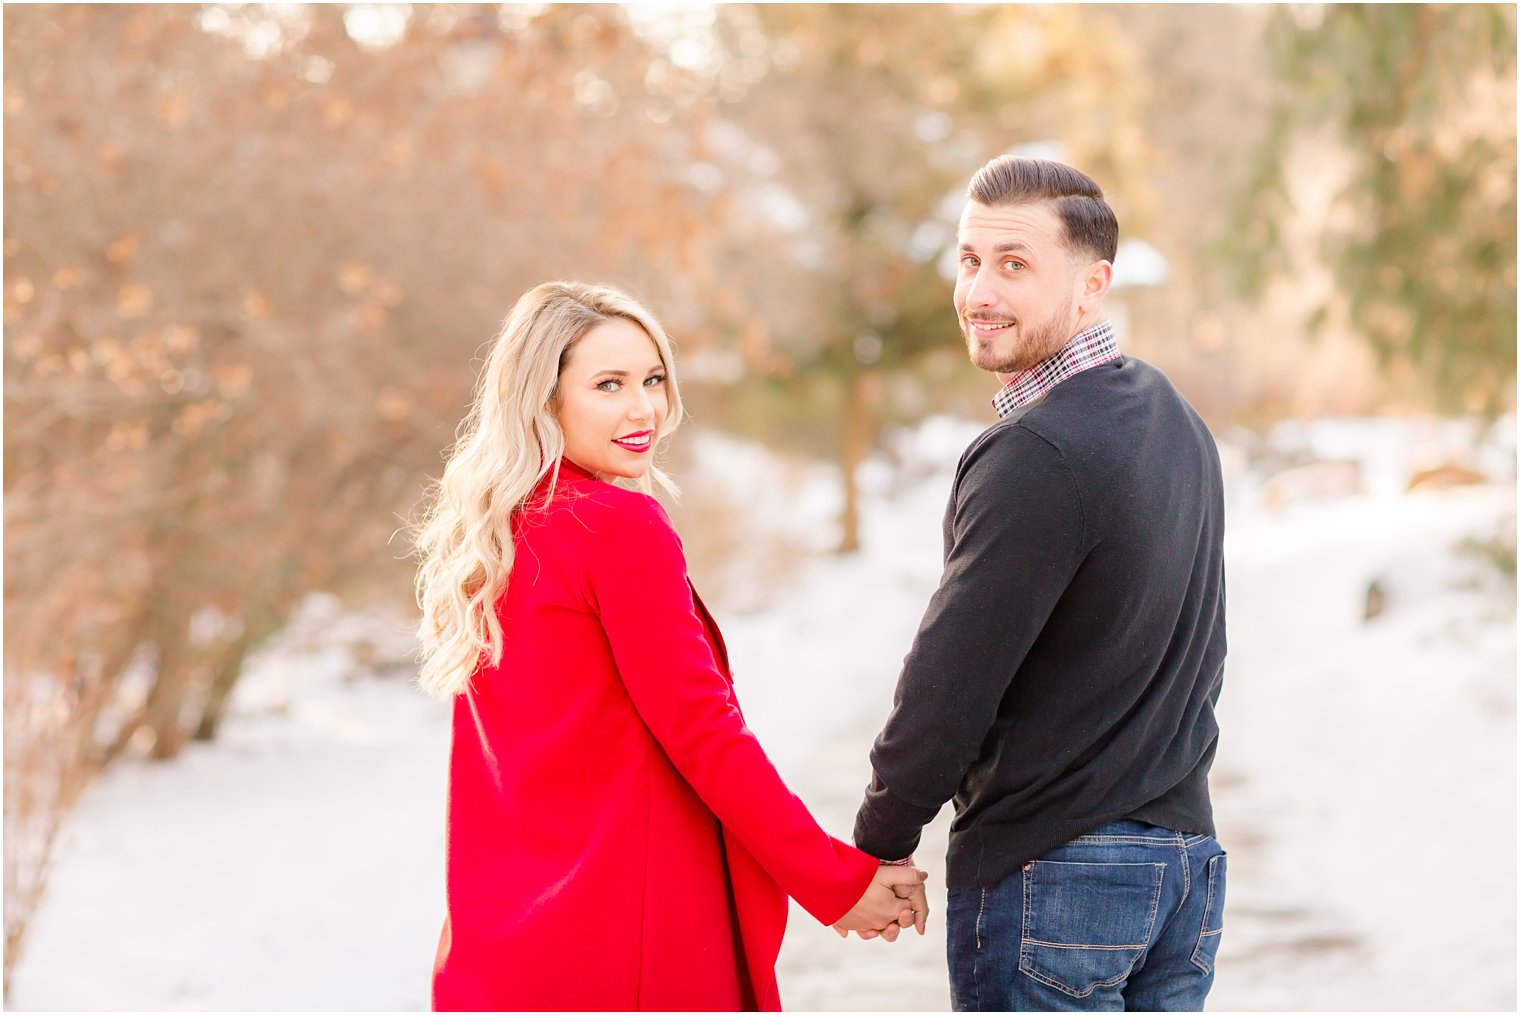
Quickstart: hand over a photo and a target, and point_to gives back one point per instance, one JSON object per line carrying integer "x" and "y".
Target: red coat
{"x": 617, "y": 839}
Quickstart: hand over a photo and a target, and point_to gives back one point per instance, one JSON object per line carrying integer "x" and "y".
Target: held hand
{"x": 918, "y": 900}
{"x": 895, "y": 899}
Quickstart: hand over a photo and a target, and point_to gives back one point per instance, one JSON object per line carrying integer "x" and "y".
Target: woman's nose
{"x": 642, "y": 406}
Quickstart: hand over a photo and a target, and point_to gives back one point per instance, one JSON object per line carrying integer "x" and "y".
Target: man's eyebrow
{"x": 1002, "y": 248}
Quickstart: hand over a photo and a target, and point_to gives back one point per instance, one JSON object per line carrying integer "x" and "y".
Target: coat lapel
{"x": 714, "y": 636}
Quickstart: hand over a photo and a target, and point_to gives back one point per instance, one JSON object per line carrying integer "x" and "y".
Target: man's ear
{"x": 1096, "y": 279}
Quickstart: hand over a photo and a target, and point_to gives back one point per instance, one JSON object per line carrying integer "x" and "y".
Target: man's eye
{"x": 968, "y": 261}
{"x": 1011, "y": 264}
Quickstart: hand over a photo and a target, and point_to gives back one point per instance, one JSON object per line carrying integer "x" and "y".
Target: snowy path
{"x": 1365, "y": 788}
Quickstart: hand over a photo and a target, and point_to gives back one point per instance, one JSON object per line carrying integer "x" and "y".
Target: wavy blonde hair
{"x": 506, "y": 445}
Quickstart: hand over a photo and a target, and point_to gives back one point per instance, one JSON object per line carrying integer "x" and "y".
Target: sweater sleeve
{"x": 1014, "y": 541}
{"x": 638, "y": 584}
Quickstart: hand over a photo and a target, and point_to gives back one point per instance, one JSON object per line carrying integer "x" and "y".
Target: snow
{"x": 1365, "y": 783}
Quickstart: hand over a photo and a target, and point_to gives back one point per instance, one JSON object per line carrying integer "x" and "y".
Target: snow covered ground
{"x": 1365, "y": 783}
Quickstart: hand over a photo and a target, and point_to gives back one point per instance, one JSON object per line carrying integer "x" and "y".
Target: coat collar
{"x": 566, "y": 465}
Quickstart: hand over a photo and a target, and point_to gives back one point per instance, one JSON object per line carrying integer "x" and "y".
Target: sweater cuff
{"x": 889, "y": 827}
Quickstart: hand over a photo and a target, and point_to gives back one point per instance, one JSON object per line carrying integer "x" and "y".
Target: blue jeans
{"x": 1126, "y": 918}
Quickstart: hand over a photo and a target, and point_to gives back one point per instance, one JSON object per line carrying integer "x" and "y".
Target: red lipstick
{"x": 638, "y": 443}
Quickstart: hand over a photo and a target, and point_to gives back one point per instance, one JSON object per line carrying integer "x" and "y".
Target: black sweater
{"x": 1065, "y": 673}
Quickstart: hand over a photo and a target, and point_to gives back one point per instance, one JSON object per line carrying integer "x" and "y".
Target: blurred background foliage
{"x": 252, "y": 255}
{"x": 1408, "y": 104}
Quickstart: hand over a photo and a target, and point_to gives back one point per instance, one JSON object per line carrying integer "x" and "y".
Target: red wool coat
{"x": 617, "y": 839}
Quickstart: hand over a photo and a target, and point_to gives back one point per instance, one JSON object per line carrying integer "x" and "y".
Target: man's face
{"x": 1018, "y": 289}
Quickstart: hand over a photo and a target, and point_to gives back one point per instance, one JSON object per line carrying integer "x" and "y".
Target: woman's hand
{"x": 894, "y": 900}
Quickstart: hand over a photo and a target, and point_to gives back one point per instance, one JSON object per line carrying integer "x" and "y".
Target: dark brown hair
{"x": 1089, "y": 222}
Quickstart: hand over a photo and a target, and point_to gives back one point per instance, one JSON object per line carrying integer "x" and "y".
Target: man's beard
{"x": 1035, "y": 345}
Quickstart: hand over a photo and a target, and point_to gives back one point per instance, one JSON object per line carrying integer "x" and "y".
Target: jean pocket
{"x": 1086, "y": 924}
{"x": 1213, "y": 916}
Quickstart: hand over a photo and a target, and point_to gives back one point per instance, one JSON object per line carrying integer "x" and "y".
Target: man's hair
{"x": 1088, "y": 221}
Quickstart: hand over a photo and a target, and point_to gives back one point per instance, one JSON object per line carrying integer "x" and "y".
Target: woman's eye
{"x": 608, "y": 385}
{"x": 654, "y": 380}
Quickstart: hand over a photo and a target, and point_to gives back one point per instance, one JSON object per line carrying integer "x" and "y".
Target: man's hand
{"x": 894, "y": 900}
{"x": 919, "y": 902}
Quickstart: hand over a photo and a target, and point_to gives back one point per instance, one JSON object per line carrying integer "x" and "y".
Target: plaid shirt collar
{"x": 1092, "y": 347}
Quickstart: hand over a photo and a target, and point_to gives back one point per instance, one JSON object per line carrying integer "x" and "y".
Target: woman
{"x": 617, "y": 838}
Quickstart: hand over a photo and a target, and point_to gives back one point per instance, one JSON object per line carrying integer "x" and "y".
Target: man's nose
{"x": 979, "y": 292}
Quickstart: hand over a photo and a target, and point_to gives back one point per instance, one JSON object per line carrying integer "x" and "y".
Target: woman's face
{"x": 612, "y": 400}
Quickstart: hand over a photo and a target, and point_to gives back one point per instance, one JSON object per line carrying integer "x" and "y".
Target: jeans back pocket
{"x": 1086, "y": 924}
{"x": 1213, "y": 915}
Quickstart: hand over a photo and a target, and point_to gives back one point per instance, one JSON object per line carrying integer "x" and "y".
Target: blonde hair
{"x": 506, "y": 445}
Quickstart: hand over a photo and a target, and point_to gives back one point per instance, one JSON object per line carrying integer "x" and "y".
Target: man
{"x": 1062, "y": 682}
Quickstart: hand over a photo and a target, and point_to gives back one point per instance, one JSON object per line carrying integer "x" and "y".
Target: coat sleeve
{"x": 1015, "y": 541}
{"x": 638, "y": 586}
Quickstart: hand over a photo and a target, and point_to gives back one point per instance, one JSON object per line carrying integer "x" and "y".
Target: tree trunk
{"x": 859, "y": 425}
{"x": 228, "y": 669}
{"x": 161, "y": 712}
